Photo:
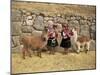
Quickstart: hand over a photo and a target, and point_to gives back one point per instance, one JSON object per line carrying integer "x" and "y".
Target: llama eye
{"x": 44, "y": 39}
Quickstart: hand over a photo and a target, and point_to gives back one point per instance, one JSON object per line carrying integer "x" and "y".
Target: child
{"x": 66, "y": 34}
{"x": 52, "y": 39}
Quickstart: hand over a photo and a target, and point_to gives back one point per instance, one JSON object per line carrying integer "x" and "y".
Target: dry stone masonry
{"x": 20, "y": 26}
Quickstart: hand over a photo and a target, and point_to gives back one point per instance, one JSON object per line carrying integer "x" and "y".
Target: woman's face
{"x": 63, "y": 28}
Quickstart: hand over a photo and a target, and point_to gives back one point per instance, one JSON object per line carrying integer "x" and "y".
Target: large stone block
{"x": 73, "y": 23}
{"x": 72, "y": 17}
{"x": 26, "y": 34}
{"x": 36, "y": 33}
{"x": 89, "y": 18}
{"x": 46, "y": 18}
{"x": 39, "y": 23}
{"x": 16, "y": 49}
{"x": 38, "y": 27}
{"x": 67, "y": 18}
{"x": 93, "y": 32}
{"x": 92, "y": 45}
{"x": 83, "y": 22}
{"x": 15, "y": 41}
{"x": 26, "y": 29}
{"x": 12, "y": 43}
{"x": 78, "y": 18}
{"x": 16, "y": 15}
{"x": 15, "y": 28}
{"x": 93, "y": 28}
{"x": 84, "y": 30}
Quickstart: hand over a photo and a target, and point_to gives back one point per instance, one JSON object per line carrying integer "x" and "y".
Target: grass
{"x": 56, "y": 62}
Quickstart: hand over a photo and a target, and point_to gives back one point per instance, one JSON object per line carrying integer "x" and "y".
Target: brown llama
{"x": 34, "y": 42}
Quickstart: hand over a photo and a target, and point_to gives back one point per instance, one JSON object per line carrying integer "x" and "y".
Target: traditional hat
{"x": 64, "y": 24}
{"x": 50, "y": 22}
{"x": 54, "y": 26}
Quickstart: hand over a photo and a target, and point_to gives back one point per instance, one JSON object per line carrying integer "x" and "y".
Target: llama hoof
{"x": 86, "y": 51}
{"x": 53, "y": 53}
{"x": 50, "y": 53}
{"x": 30, "y": 56}
{"x": 63, "y": 53}
{"x": 23, "y": 57}
{"x": 40, "y": 56}
{"x": 77, "y": 52}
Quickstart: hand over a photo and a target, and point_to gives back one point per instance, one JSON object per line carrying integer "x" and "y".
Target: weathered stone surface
{"x": 59, "y": 27}
{"x": 29, "y": 20}
{"x": 67, "y": 18}
{"x": 16, "y": 49}
{"x": 90, "y": 19}
{"x": 40, "y": 28}
{"x": 93, "y": 32}
{"x": 15, "y": 41}
{"x": 72, "y": 17}
{"x": 85, "y": 33}
{"x": 94, "y": 20}
{"x": 27, "y": 29}
{"x": 87, "y": 26}
{"x": 16, "y": 16}
{"x": 83, "y": 22}
{"x": 46, "y": 18}
{"x": 85, "y": 18}
{"x": 78, "y": 18}
{"x": 93, "y": 35}
{"x": 12, "y": 43}
{"x": 38, "y": 23}
{"x": 93, "y": 24}
{"x": 37, "y": 33}
{"x": 15, "y": 28}
{"x": 92, "y": 45}
{"x": 61, "y": 20}
{"x": 26, "y": 34}
{"x": 74, "y": 22}
{"x": 84, "y": 30}
{"x": 93, "y": 28}
{"x": 89, "y": 23}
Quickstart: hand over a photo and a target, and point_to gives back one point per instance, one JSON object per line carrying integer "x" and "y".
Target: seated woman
{"x": 66, "y": 35}
{"x": 52, "y": 39}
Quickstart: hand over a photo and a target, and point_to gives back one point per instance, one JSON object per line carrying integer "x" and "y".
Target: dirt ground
{"x": 57, "y": 62}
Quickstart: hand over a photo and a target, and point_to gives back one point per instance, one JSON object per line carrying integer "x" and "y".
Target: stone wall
{"x": 86, "y": 24}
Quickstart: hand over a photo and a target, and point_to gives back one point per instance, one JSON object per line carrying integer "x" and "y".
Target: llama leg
{"x": 82, "y": 47}
{"x": 65, "y": 51}
{"x": 87, "y": 47}
{"x": 23, "y": 52}
{"x": 49, "y": 49}
{"x": 39, "y": 53}
{"x": 78, "y": 46}
{"x": 53, "y": 50}
{"x": 28, "y": 52}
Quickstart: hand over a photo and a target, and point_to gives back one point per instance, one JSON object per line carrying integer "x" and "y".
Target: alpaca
{"x": 80, "y": 43}
{"x": 33, "y": 42}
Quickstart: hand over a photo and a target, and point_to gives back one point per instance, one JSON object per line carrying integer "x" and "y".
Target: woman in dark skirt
{"x": 52, "y": 39}
{"x": 66, "y": 34}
